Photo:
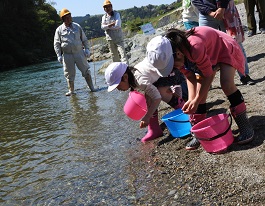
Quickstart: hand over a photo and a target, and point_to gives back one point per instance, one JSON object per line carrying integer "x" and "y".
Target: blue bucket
{"x": 177, "y": 123}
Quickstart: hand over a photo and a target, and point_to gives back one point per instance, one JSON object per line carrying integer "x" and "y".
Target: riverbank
{"x": 174, "y": 176}
{"x": 180, "y": 177}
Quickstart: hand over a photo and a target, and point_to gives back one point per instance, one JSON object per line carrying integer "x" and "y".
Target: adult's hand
{"x": 87, "y": 53}
{"x": 219, "y": 13}
{"x": 60, "y": 59}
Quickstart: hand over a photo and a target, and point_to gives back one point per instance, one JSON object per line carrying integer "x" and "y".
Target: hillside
{"x": 132, "y": 19}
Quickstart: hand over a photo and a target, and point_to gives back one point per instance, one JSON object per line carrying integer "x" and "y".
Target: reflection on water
{"x": 63, "y": 150}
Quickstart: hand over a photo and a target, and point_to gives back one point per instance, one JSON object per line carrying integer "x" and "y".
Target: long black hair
{"x": 179, "y": 39}
{"x": 131, "y": 79}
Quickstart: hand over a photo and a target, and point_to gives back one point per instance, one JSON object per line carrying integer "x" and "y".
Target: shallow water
{"x": 58, "y": 150}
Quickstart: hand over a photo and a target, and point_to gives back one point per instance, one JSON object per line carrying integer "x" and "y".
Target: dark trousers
{"x": 250, "y": 11}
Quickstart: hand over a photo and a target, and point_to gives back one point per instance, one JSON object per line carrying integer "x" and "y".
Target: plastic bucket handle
{"x": 219, "y": 135}
{"x": 179, "y": 121}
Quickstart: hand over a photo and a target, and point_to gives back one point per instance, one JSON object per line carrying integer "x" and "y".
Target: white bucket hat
{"x": 159, "y": 54}
{"x": 114, "y": 73}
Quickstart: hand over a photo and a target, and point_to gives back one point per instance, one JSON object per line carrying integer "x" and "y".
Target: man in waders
{"x": 69, "y": 41}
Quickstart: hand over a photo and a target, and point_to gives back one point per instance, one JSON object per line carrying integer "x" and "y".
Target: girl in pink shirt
{"x": 204, "y": 51}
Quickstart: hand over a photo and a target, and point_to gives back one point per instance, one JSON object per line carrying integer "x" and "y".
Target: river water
{"x": 58, "y": 150}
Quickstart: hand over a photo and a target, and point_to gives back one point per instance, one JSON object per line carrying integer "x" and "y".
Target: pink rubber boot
{"x": 240, "y": 116}
{"x": 154, "y": 130}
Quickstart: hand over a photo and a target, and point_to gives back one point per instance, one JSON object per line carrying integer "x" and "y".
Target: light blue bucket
{"x": 177, "y": 123}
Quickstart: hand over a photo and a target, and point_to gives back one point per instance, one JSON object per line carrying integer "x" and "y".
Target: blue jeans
{"x": 190, "y": 24}
{"x": 219, "y": 25}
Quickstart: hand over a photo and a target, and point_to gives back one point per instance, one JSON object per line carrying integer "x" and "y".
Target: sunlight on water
{"x": 63, "y": 150}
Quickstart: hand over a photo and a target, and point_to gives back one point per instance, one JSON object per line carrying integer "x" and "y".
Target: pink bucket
{"x": 135, "y": 106}
{"x": 214, "y": 133}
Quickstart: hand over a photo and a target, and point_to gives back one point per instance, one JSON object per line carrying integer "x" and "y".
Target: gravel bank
{"x": 174, "y": 176}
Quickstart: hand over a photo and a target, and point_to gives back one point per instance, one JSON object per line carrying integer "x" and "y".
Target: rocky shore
{"x": 174, "y": 176}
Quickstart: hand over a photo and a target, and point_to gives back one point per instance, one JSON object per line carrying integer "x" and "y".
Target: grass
{"x": 239, "y": 1}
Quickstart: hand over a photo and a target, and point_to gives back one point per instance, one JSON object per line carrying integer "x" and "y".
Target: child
{"x": 154, "y": 76}
{"x": 190, "y": 15}
{"x": 223, "y": 15}
{"x": 205, "y": 51}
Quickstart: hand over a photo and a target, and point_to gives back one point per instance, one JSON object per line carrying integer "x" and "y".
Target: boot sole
{"x": 150, "y": 139}
{"x": 247, "y": 140}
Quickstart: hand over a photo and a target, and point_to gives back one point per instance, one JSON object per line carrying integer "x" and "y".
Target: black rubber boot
{"x": 240, "y": 116}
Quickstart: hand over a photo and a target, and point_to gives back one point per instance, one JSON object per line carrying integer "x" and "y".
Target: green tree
{"x": 27, "y": 32}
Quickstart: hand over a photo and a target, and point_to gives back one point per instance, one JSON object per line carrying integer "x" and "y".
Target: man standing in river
{"x": 69, "y": 40}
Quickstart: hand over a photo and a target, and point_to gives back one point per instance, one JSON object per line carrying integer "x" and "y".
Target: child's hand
{"x": 144, "y": 122}
{"x": 190, "y": 107}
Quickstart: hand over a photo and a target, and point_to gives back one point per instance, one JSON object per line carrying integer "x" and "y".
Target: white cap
{"x": 114, "y": 73}
{"x": 159, "y": 54}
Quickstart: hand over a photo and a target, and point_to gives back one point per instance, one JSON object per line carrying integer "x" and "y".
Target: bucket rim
{"x": 130, "y": 94}
{"x": 206, "y": 120}
{"x": 216, "y": 136}
{"x": 179, "y": 109}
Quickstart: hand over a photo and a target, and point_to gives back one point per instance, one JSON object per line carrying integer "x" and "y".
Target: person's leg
{"x": 69, "y": 72}
{"x": 113, "y": 51}
{"x": 245, "y": 79}
{"x": 83, "y": 66}
{"x": 237, "y": 107}
{"x": 239, "y": 113}
{"x": 261, "y": 10}
{"x": 195, "y": 118}
{"x": 190, "y": 24}
{"x": 153, "y": 129}
{"x": 227, "y": 74}
{"x": 121, "y": 49}
{"x": 246, "y": 62}
{"x": 251, "y": 21}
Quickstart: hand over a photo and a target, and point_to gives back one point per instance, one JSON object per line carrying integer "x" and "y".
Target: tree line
{"x": 132, "y": 19}
{"x": 27, "y": 30}
{"x": 28, "y": 26}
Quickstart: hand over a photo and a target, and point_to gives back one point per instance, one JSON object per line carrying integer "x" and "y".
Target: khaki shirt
{"x": 69, "y": 39}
